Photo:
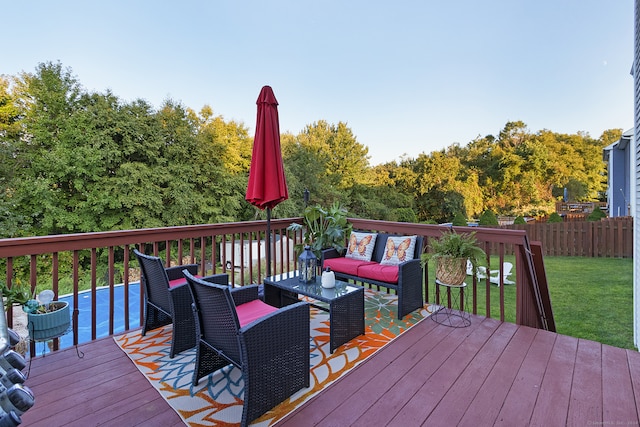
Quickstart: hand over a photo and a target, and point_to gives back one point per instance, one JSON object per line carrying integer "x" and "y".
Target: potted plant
{"x": 323, "y": 229}
{"x": 451, "y": 252}
{"x": 18, "y": 294}
{"x": 46, "y": 319}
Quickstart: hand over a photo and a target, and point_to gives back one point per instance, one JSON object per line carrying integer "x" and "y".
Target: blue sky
{"x": 406, "y": 76}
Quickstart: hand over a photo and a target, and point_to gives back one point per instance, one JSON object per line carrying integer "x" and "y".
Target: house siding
{"x": 636, "y": 243}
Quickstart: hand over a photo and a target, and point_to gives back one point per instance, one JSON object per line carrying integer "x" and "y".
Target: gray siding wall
{"x": 636, "y": 224}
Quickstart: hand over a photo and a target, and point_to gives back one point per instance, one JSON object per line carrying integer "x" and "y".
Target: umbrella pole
{"x": 268, "y": 241}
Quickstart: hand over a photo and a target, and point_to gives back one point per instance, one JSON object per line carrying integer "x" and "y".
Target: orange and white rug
{"x": 217, "y": 400}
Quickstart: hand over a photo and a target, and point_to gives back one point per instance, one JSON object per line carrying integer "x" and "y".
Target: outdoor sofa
{"x": 388, "y": 260}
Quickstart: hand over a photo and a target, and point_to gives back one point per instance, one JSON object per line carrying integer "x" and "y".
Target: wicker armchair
{"x": 272, "y": 351}
{"x": 168, "y": 300}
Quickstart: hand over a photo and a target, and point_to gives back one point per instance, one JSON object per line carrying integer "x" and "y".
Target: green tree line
{"x": 78, "y": 161}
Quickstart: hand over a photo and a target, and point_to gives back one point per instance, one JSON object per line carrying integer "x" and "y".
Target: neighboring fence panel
{"x": 608, "y": 238}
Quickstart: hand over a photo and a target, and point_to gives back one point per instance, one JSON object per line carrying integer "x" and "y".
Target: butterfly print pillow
{"x": 398, "y": 249}
{"x": 361, "y": 246}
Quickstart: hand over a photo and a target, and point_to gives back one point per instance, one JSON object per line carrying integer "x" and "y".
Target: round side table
{"x": 452, "y": 314}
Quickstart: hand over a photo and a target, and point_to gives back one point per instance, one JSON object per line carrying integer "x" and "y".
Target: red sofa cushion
{"x": 253, "y": 310}
{"x": 345, "y": 265}
{"x": 382, "y": 273}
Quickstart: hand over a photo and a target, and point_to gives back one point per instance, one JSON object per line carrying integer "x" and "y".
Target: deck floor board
{"x": 616, "y": 382}
{"x": 490, "y": 373}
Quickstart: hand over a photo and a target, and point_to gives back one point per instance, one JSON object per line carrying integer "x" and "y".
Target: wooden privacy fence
{"x": 607, "y": 238}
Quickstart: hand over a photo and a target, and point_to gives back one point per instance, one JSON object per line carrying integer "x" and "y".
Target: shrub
{"x": 519, "y": 220}
{"x": 554, "y": 217}
{"x": 596, "y": 215}
{"x": 459, "y": 220}
{"x": 488, "y": 218}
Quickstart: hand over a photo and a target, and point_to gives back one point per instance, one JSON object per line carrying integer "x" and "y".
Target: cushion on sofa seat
{"x": 361, "y": 245}
{"x": 345, "y": 265}
{"x": 382, "y": 273}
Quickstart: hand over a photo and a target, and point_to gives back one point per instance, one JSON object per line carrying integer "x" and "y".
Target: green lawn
{"x": 591, "y": 298}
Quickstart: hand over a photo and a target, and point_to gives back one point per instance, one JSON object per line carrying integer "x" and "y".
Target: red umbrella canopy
{"x": 267, "y": 184}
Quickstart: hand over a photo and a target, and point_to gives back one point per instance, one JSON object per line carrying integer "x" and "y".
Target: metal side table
{"x": 452, "y": 313}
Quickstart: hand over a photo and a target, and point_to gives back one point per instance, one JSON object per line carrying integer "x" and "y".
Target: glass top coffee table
{"x": 346, "y": 303}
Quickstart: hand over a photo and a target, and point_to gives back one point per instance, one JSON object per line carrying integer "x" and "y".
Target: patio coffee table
{"x": 346, "y": 303}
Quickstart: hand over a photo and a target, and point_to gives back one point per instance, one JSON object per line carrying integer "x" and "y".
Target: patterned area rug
{"x": 217, "y": 400}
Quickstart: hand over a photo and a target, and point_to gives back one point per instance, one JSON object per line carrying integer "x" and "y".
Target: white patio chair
{"x": 506, "y": 272}
{"x": 481, "y": 272}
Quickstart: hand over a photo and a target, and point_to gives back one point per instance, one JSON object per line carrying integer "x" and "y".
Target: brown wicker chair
{"x": 272, "y": 351}
{"x": 168, "y": 300}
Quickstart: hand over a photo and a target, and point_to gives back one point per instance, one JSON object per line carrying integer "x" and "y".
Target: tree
{"x": 230, "y": 140}
{"x": 444, "y": 187}
{"x": 328, "y": 161}
{"x": 104, "y": 165}
{"x": 73, "y": 161}
{"x": 9, "y": 113}
{"x": 49, "y": 99}
{"x": 402, "y": 215}
{"x": 10, "y": 132}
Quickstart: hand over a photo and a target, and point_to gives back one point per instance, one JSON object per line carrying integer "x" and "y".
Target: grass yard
{"x": 591, "y": 298}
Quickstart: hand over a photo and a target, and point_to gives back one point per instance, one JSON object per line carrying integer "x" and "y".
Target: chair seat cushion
{"x": 345, "y": 265}
{"x": 253, "y": 310}
{"x": 382, "y": 273}
{"x": 181, "y": 281}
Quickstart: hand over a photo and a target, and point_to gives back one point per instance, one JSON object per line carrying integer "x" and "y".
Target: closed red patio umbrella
{"x": 267, "y": 184}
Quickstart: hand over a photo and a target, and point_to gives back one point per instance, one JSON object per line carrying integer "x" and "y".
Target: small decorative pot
{"x": 46, "y": 326}
{"x": 328, "y": 279}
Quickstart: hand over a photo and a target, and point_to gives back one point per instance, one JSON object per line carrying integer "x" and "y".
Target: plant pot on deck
{"x": 451, "y": 271}
{"x": 49, "y": 325}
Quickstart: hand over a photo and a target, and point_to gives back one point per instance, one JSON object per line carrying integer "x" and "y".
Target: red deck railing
{"x": 231, "y": 248}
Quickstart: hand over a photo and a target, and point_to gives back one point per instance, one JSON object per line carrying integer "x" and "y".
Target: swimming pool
{"x": 102, "y": 314}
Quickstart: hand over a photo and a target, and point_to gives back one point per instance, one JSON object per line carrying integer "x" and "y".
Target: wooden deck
{"x": 490, "y": 373}
{"x": 102, "y": 388}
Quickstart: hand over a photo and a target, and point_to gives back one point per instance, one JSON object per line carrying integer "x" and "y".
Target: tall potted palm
{"x": 323, "y": 229}
{"x": 451, "y": 251}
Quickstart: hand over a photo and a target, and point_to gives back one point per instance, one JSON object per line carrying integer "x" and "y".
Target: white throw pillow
{"x": 398, "y": 249}
{"x": 361, "y": 245}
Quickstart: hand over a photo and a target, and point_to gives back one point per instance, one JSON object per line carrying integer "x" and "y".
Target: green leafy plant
{"x": 454, "y": 245}
{"x": 18, "y": 294}
{"x": 323, "y": 228}
{"x": 35, "y": 307}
